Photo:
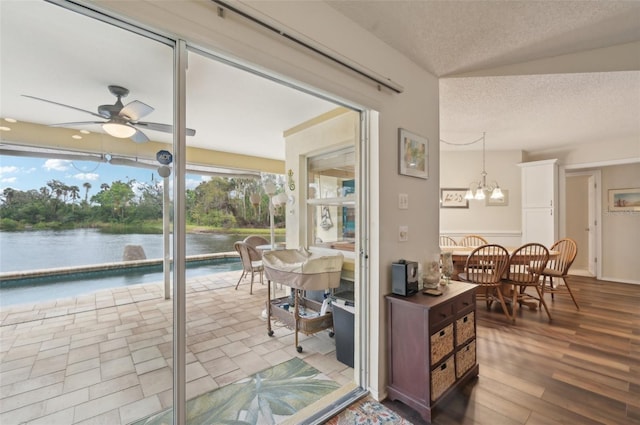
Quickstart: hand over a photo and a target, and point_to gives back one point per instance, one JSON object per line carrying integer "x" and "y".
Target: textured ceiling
{"x": 555, "y": 107}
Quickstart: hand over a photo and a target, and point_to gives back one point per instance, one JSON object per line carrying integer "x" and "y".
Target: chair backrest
{"x": 255, "y": 240}
{"x": 568, "y": 249}
{"x": 487, "y": 264}
{"x": 473, "y": 240}
{"x": 447, "y": 241}
{"x": 245, "y": 251}
{"x": 527, "y": 262}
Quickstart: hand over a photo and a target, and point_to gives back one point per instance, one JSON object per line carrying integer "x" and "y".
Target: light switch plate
{"x": 403, "y": 233}
{"x": 403, "y": 201}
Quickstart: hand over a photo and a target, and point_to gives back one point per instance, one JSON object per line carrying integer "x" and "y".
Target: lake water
{"x": 33, "y": 250}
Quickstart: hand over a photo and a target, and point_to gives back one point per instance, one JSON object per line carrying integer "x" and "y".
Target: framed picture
{"x": 413, "y": 156}
{"x": 453, "y": 198}
{"x": 624, "y": 199}
{"x": 498, "y": 202}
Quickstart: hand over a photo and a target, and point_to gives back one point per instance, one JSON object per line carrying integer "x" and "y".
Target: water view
{"x": 35, "y": 250}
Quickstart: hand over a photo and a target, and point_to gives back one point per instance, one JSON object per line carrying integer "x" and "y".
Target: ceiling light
{"x": 76, "y": 136}
{"x": 121, "y": 131}
{"x": 12, "y": 120}
{"x": 85, "y": 131}
{"x": 479, "y": 189}
{"x": 3, "y": 128}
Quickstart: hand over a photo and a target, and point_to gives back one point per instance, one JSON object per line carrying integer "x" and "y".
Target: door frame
{"x": 594, "y": 202}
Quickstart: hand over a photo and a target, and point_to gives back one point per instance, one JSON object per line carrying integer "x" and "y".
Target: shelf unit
{"x": 431, "y": 345}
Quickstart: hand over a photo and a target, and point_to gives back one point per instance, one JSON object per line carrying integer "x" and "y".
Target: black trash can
{"x": 344, "y": 327}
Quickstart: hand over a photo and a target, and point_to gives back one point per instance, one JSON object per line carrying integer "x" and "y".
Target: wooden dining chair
{"x": 473, "y": 240}
{"x": 526, "y": 264}
{"x": 558, "y": 267}
{"x": 485, "y": 266}
{"x": 249, "y": 265}
{"x": 447, "y": 241}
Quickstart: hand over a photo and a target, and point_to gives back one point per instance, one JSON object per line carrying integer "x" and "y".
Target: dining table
{"x": 459, "y": 255}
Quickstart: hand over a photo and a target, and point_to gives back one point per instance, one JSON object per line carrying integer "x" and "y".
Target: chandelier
{"x": 480, "y": 189}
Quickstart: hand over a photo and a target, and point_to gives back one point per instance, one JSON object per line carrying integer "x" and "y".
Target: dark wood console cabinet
{"x": 431, "y": 345}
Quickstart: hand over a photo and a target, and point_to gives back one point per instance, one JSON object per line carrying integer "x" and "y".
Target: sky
{"x": 24, "y": 174}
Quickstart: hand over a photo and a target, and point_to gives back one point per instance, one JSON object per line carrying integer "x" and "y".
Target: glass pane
{"x": 86, "y": 329}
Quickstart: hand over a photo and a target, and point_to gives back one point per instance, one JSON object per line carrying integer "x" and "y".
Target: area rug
{"x": 367, "y": 411}
{"x": 268, "y": 397}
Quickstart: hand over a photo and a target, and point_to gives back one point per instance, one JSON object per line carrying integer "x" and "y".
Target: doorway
{"x": 581, "y": 218}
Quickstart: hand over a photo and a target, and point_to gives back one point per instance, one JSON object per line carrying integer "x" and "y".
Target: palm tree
{"x": 86, "y": 186}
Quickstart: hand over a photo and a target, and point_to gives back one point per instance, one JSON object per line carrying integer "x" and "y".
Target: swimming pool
{"x": 43, "y": 287}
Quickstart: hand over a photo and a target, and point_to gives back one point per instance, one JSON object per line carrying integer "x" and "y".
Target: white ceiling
{"x": 59, "y": 55}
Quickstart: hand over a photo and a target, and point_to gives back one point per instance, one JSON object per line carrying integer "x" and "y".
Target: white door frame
{"x": 594, "y": 203}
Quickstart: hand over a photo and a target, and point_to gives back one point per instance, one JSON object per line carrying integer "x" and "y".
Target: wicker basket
{"x": 441, "y": 343}
{"x": 306, "y": 325}
{"x": 465, "y": 328}
{"x": 442, "y": 377}
{"x": 465, "y": 358}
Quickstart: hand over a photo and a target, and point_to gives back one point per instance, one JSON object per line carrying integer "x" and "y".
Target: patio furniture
{"x": 301, "y": 270}
{"x": 251, "y": 262}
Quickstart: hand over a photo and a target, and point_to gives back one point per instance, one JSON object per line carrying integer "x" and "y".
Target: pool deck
{"x": 107, "y": 357}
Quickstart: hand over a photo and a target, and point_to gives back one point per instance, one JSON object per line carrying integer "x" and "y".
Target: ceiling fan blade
{"x": 73, "y": 124}
{"x": 135, "y": 110}
{"x": 161, "y": 127}
{"x": 63, "y": 105}
{"x": 139, "y": 137}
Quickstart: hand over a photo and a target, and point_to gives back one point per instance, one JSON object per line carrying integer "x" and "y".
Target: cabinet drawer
{"x": 442, "y": 377}
{"x": 465, "y": 358}
{"x": 439, "y": 314}
{"x": 465, "y": 301}
{"x": 465, "y": 328}
{"x": 441, "y": 343}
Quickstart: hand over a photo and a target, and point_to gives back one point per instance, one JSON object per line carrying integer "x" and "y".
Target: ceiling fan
{"x": 122, "y": 121}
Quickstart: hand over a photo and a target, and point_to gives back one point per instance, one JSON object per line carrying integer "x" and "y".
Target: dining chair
{"x": 247, "y": 253}
{"x": 485, "y": 267}
{"x": 447, "y": 241}
{"x": 558, "y": 267}
{"x": 473, "y": 240}
{"x": 526, "y": 264}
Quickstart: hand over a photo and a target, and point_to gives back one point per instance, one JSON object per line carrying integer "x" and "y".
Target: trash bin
{"x": 343, "y": 327}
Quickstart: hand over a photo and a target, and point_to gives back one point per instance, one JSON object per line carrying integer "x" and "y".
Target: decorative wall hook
{"x": 292, "y": 185}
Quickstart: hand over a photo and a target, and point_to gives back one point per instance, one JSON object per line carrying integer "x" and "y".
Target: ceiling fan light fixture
{"x": 121, "y": 131}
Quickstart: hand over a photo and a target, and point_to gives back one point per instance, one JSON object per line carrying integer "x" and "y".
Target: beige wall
{"x": 499, "y": 224}
{"x": 577, "y": 193}
{"x": 620, "y": 230}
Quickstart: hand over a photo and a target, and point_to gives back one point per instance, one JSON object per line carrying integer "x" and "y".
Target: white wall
{"x": 499, "y": 224}
{"x": 416, "y": 109}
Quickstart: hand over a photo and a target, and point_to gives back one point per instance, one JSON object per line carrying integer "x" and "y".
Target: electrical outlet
{"x": 403, "y": 201}
{"x": 403, "y": 233}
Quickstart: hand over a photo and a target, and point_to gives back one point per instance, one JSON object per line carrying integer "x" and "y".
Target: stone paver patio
{"x": 106, "y": 358}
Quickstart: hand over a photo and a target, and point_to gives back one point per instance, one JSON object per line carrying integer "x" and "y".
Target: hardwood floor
{"x": 582, "y": 368}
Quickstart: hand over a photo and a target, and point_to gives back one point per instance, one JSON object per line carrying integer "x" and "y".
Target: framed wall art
{"x": 624, "y": 199}
{"x": 413, "y": 156}
{"x": 453, "y": 198}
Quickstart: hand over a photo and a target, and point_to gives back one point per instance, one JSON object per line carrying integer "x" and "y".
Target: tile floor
{"x": 106, "y": 358}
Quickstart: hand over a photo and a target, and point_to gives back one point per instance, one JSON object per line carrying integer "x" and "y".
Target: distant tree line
{"x": 220, "y": 202}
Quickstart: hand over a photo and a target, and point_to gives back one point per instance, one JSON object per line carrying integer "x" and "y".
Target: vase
{"x": 447, "y": 267}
